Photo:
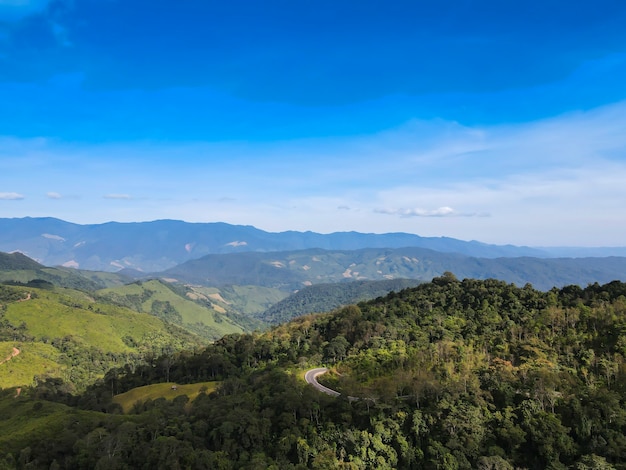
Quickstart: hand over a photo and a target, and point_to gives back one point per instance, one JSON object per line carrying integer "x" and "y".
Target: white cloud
{"x": 11, "y": 196}
{"x": 552, "y": 182}
{"x": 53, "y": 195}
{"x": 443, "y": 211}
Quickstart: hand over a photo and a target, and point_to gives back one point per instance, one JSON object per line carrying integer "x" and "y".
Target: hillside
{"x": 179, "y": 305}
{"x": 20, "y": 269}
{"x": 327, "y": 297}
{"x": 470, "y": 374}
{"x": 292, "y": 270}
{"x": 17, "y": 261}
{"x": 250, "y": 301}
{"x": 65, "y": 334}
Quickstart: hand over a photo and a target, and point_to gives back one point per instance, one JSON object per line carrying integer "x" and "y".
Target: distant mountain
{"x": 292, "y": 270}
{"x": 584, "y": 252}
{"x": 158, "y": 245}
{"x": 327, "y": 297}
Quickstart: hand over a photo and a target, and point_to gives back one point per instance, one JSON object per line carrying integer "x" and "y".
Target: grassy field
{"x": 34, "y": 359}
{"x": 249, "y": 300}
{"x": 102, "y": 326}
{"x": 190, "y": 312}
{"x": 66, "y": 334}
{"x": 162, "y": 390}
{"x": 57, "y": 276}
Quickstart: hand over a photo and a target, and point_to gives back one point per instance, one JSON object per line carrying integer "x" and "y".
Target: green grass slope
{"x": 59, "y": 277}
{"x": 68, "y": 335}
{"x": 18, "y": 268}
{"x": 247, "y": 300}
{"x": 167, "y": 390}
{"x": 179, "y": 307}
{"x": 34, "y": 360}
{"x": 101, "y": 278}
{"x": 12, "y": 261}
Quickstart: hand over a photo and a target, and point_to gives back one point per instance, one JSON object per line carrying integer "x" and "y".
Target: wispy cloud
{"x": 549, "y": 182}
{"x": 118, "y": 196}
{"x": 11, "y": 196}
{"x": 443, "y": 211}
{"x": 54, "y": 195}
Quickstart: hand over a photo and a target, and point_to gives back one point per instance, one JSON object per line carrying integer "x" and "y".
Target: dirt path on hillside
{"x": 14, "y": 353}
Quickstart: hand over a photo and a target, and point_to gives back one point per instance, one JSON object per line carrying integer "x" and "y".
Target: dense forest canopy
{"x": 450, "y": 374}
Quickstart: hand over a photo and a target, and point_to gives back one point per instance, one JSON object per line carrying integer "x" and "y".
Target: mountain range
{"x": 72, "y": 340}
{"x": 292, "y": 270}
{"x": 162, "y": 244}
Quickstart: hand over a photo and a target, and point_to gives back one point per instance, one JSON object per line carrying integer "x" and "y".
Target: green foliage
{"x": 17, "y": 261}
{"x": 174, "y": 304}
{"x": 34, "y": 362}
{"x": 65, "y": 334}
{"x": 137, "y": 398}
{"x": 249, "y": 300}
{"x": 58, "y": 277}
{"x": 327, "y": 297}
{"x": 293, "y": 270}
{"x": 450, "y": 374}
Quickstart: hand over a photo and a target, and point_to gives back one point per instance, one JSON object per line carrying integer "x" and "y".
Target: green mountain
{"x": 57, "y": 333}
{"x": 250, "y": 301}
{"x": 327, "y": 297}
{"x": 20, "y": 269}
{"x": 292, "y": 270}
{"x": 204, "y": 314}
{"x": 207, "y": 311}
{"x": 101, "y": 279}
{"x": 453, "y": 373}
{"x": 17, "y": 261}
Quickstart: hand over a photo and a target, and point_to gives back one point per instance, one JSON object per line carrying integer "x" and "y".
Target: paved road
{"x": 311, "y": 377}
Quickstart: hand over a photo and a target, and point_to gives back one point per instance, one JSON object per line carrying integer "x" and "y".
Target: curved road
{"x": 311, "y": 378}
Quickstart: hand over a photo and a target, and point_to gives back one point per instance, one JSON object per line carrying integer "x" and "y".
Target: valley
{"x": 471, "y": 372}
{"x": 312, "y": 235}
{"x": 254, "y": 360}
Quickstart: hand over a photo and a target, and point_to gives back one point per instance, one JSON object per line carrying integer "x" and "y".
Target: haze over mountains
{"x": 292, "y": 270}
{"x": 162, "y": 244}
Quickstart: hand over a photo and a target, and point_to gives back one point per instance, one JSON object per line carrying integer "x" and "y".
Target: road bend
{"x": 311, "y": 378}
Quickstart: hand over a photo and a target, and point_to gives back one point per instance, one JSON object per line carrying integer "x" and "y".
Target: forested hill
{"x": 449, "y": 374}
{"x": 326, "y": 297}
{"x": 12, "y": 261}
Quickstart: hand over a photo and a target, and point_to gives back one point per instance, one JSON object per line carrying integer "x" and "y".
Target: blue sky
{"x": 498, "y": 121}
